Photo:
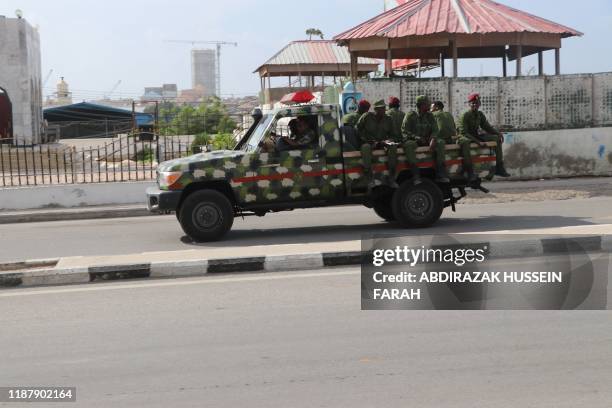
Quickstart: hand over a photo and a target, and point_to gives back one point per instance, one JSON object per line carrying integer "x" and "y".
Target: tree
{"x": 314, "y": 31}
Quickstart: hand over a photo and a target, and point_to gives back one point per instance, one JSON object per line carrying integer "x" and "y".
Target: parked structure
{"x": 455, "y": 29}
{"x": 301, "y": 62}
{"x": 88, "y": 120}
{"x": 20, "y": 82}
{"x": 203, "y": 72}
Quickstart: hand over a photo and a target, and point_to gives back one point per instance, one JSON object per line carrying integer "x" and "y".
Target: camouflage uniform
{"x": 469, "y": 124}
{"x": 447, "y": 130}
{"x": 397, "y": 116}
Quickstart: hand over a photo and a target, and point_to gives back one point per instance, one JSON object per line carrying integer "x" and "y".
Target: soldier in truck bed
{"x": 470, "y": 124}
{"x": 352, "y": 118}
{"x": 420, "y": 129}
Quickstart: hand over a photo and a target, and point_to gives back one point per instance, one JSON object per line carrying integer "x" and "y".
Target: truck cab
{"x": 208, "y": 190}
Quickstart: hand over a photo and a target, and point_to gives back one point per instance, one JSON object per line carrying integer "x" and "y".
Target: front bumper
{"x": 160, "y": 200}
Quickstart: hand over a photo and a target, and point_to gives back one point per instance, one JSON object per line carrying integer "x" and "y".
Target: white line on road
{"x": 177, "y": 282}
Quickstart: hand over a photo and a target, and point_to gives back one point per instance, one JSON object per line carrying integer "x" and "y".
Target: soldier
{"x": 397, "y": 116}
{"x": 352, "y": 118}
{"x": 373, "y": 129}
{"x": 447, "y": 130}
{"x": 469, "y": 124}
{"x": 420, "y": 129}
{"x": 376, "y": 127}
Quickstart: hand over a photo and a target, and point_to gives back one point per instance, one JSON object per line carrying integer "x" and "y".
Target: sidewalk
{"x": 266, "y": 258}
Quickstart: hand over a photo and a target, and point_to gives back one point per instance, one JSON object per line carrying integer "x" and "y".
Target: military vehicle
{"x": 208, "y": 190}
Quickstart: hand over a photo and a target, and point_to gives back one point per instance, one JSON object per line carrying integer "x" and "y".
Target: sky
{"x": 95, "y": 44}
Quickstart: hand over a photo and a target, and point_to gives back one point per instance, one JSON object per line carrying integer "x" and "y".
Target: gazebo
{"x": 453, "y": 29}
{"x": 303, "y": 61}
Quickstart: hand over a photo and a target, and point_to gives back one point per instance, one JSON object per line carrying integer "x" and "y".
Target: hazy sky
{"x": 93, "y": 44}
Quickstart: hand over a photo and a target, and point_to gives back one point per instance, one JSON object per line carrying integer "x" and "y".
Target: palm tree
{"x": 314, "y": 31}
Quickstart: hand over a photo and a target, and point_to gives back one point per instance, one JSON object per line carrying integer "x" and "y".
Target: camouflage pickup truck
{"x": 208, "y": 190}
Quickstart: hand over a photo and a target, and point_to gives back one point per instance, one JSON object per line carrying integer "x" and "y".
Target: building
{"x": 203, "y": 71}
{"x": 160, "y": 93}
{"x": 20, "y": 82}
{"x": 90, "y": 120}
{"x": 64, "y": 96}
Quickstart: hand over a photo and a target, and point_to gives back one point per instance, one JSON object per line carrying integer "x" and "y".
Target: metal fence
{"x": 127, "y": 158}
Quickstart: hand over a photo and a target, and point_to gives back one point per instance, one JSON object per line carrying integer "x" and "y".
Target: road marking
{"x": 178, "y": 282}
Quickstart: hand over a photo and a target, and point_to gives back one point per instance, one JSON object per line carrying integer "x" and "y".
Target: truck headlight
{"x": 167, "y": 179}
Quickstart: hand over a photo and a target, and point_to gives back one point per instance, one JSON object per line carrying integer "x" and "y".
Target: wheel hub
{"x": 207, "y": 215}
{"x": 418, "y": 203}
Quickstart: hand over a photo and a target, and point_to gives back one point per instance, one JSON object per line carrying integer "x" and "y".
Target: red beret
{"x": 474, "y": 97}
{"x": 364, "y": 104}
{"x": 394, "y": 100}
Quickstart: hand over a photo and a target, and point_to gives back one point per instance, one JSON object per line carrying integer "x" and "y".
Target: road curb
{"x": 272, "y": 263}
{"x": 68, "y": 215}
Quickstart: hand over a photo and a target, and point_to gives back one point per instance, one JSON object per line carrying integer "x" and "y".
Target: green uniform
{"x": 446, "y": 126}
{"x": 418, "y": 129}
{"x": 373, "y": 130}
{"x": 469, "y": 124}
{"x": 351, "y": 119}
{"x": 397, "y": 116}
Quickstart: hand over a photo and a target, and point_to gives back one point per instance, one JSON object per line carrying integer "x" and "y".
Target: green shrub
{"x": 199, "y": 142}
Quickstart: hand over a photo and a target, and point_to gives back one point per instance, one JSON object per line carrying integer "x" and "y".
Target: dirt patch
{"x": 534, "y": 194}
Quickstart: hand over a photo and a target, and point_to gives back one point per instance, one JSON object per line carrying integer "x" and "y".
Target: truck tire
{"x": 418, "y": 205}
{"x": 382, "y": 208}
{"x": 206, "y": 215}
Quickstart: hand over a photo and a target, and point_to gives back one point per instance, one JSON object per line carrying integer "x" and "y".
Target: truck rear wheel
{"x": 418, "y": 205}
{"x": 206, "y": 215}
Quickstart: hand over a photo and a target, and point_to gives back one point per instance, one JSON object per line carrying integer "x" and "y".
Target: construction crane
{"x": 113, "y": 89}
{"x": 47, "y": 78}
{"x": 218, "y": 59}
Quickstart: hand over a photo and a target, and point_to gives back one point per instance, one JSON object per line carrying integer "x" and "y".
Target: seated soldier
{"x": 469, "y": 125}
{"x": 420, "y": 129}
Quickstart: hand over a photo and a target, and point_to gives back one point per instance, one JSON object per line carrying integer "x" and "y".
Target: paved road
{"x": 163, "y": 233}
{"x": 294, "y": 340}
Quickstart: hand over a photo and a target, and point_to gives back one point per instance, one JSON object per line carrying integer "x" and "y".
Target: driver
{"x": 301, "y": 136}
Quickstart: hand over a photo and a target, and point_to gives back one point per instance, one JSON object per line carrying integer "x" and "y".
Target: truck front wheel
{"x": 382, "y": 208}
{"x": 418, "y": 205}
{"x": 206, "y": 215}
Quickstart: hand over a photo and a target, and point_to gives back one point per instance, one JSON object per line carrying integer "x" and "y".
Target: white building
{"x": 203, "y": 71}
{"x": 20, "y": 81}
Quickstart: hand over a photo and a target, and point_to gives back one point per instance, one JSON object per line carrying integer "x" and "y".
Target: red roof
{"x": 425, "y": 17}
{"x": 315, "y": 52}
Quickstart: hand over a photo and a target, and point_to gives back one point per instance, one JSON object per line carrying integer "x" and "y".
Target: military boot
{"x": 471, "y": 176}
{"x": 500, "y": 170}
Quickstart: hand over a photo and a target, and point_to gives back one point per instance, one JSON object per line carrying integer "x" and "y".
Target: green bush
{"x": 199, "y": 142}
{"x": 224, "y": 141}
{"x": 146, "y": 155}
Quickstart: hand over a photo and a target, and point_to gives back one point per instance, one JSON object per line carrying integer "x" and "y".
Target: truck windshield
{"x": 258, "y": 133}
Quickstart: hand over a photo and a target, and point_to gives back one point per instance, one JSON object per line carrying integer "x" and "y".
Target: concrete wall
{"x": 526, "y": 103}
{"x": 559, "y": 153}
{"x": 73, "y": 195}
{"x": 20, "y": 76}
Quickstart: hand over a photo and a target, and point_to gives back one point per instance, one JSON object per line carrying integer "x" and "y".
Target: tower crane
{"x": 113, "y": 89}
{"x": 47, "y": 78}
{"x": 218, "y": 44}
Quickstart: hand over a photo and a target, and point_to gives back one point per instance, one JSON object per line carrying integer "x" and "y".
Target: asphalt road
{"x": 294, "y": 340}
{"x": 163, "y": 233}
